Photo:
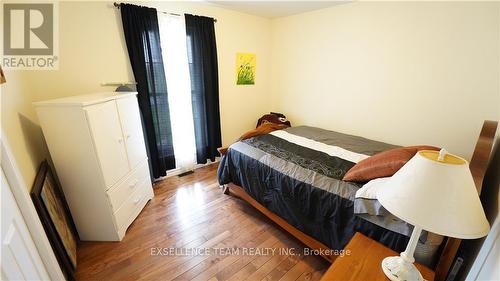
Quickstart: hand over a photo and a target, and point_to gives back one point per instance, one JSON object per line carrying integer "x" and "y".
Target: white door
{"x": 108, "y": 141}
{"x": 20, "y": 259}
{"x": 132, "y": 130}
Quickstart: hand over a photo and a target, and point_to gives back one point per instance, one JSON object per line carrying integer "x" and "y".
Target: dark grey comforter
{"x": 297, "y": 174}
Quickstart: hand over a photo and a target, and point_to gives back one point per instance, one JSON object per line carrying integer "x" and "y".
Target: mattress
{"x": 297, "y": 174}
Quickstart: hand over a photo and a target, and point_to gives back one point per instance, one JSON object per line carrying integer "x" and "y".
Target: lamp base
{"x": 397, "y": 269}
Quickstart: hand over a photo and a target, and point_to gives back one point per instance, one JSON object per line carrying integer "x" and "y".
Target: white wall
{"x": 17, "y": 117}
{"x": 93, "y": 50}
{"x": 405, "y": 73}
{"x": 400, "y": 72}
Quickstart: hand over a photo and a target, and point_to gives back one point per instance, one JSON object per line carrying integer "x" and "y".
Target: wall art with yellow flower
{"x": 245, "y": 68}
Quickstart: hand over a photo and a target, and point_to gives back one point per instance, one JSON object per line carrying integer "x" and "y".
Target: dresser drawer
{"x": 133, "y": 204}
{"x": 119, "y": 193}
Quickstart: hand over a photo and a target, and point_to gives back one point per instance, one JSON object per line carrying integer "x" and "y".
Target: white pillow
{"x": 370, "y": 189}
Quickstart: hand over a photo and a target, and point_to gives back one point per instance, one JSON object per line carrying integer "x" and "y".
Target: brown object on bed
{"x": 478, "y": 166}
{"x": 273, "y": 117}
{"x": 262, "y": 129}
{"x": 383, "y": 164}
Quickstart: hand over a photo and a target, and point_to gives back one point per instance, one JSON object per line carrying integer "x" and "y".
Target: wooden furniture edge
{"x": 478, "y": 165}
{"x": 301, "y": 236}
{"x": 364, "y": 257}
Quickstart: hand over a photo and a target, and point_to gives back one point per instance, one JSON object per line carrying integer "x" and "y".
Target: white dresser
{"x": 97, "y": 146}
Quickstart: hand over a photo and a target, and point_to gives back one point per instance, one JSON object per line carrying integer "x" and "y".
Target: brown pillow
{"x": 383, "y": 164}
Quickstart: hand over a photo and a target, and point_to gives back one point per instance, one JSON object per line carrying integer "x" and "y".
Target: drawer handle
{"x": 127, "y": 136}
{"x": 120, "y": 140}
{"x": 136, "y": 200}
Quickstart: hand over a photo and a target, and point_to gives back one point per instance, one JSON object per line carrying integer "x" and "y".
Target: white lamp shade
{"x": 438, "y": 196}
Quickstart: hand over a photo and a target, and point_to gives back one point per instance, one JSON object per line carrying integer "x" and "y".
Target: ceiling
{"x": 274, "y": 9}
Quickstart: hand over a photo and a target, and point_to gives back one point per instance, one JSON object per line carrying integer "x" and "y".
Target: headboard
{"x": 478, "y": 165}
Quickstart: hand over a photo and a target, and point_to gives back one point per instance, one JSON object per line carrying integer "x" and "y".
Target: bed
{"x": 294, "y": 176}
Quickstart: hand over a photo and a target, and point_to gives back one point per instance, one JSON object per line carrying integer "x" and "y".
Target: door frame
{"x": 20, "y": 190}
{"x": 486, "y": 252}
{"x": 20, "y": 258}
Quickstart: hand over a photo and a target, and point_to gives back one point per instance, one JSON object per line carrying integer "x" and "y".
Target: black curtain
{"x": 140, "y": 25}
{"x": 202, "y": 55}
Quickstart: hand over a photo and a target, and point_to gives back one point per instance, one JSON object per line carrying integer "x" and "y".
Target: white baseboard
{"x": 178, "y": 171}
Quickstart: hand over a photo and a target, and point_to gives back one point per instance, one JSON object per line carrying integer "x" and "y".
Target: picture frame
{"x": 246, "y": 65}
{"x": 56, "y": 219}
{"x": 2, "y": 76}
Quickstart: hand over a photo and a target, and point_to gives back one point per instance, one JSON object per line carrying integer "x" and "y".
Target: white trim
{"x": 20, "y": 191}
{"x": 485, "y": 252}
{"x": 178, "y": 171}
{"x": 319, "y": 146}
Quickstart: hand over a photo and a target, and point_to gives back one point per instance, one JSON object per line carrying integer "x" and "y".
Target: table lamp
{"x": 433, "y": 191}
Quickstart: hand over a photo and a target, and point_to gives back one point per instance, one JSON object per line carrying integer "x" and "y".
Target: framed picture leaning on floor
{"x": 52, "y": 209}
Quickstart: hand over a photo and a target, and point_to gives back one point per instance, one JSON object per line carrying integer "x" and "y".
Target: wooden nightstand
{"x": 364, "y": 260}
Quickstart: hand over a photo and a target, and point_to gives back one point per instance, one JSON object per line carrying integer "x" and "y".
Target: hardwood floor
{"x": 189, "y": 213}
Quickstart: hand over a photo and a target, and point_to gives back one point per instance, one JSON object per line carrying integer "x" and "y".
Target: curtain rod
{"x": 117, "y": 5}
